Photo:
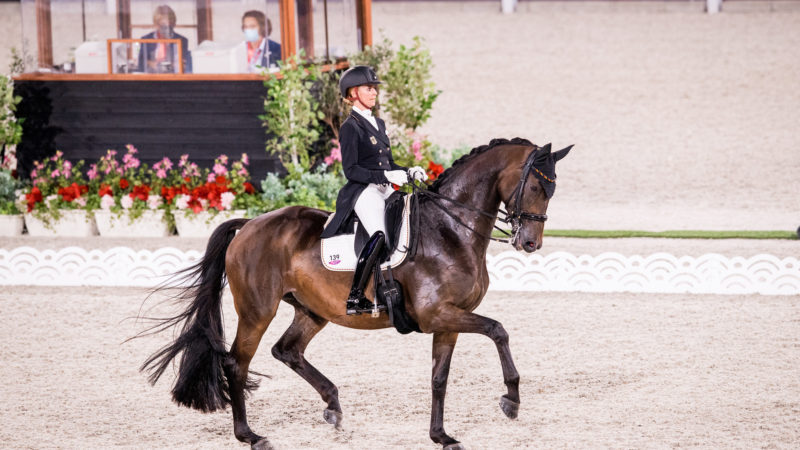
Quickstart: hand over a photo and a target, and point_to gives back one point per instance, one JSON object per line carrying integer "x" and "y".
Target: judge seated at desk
{"x": 162, "y": 57}
{"x": 262, "y": 52}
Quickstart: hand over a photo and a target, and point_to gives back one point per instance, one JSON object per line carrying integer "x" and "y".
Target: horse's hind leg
{"x": 443, "y": 345}
{"x": 289, "y": 350}
{"x": 248, "y": 335}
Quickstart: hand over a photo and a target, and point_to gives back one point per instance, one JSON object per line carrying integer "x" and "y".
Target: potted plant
{"x": 11, "y": 221}
{"x": 57, "y": 203}
{"x": 127, "y": 196}
{"x": 204, "y": 199}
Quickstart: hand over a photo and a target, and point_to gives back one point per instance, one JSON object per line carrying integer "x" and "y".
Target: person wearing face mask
{"x": 262, "y": 52}
{"x": 370, "y": 171}
{"x": 162, "y": 57}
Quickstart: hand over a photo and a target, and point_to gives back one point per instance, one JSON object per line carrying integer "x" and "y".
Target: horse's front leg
{"x": 452, "y": 319}
{"x": 443, "y": 344}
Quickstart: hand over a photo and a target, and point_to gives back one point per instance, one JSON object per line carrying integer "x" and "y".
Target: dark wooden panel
{"x": 202, "y": 118}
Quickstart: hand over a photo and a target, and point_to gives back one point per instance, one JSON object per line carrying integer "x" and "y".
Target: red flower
{"x": 72, "y": 191}
{"x": 221, "y": 180}
{"x": 140, "y": 192}
{"x": 248, "y": 188}
{"x": 123, "y": 183}
{"x": 105, "y": 190}
{"x": 434, "y": 170}
{"x": 33, "y": 197}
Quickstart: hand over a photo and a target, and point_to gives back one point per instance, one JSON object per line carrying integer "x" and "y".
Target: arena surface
{"x": 613, "y": 370}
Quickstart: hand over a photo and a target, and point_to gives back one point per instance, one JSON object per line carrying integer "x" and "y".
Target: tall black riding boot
{"x": 356, "y": 302}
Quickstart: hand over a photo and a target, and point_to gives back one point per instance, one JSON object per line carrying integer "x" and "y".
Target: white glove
{"x": 398, "y": 177}
{"x": 417, "y": 173}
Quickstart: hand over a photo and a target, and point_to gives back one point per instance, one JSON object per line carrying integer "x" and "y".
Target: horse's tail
{"x": 201, "y": 382}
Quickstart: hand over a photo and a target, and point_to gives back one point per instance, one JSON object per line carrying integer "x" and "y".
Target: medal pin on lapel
{"x": 373, "y": 140}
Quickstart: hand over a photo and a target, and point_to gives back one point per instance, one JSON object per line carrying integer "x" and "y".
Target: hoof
{"x": 262, "y": 444}
{"x": 333, "y": 417}
{"x": 456, "y": 446}
{"x": 509, "y": 407}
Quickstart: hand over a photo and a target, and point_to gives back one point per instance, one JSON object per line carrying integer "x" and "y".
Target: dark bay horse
{"x": 277, "y": 257}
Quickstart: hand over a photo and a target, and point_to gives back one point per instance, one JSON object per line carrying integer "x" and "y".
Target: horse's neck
{"x": 475, "y": 185}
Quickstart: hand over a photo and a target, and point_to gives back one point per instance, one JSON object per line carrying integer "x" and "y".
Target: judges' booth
{"x": 169, "y": 77}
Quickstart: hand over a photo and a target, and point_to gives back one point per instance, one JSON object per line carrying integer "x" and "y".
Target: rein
{"x": 515, "y": 217}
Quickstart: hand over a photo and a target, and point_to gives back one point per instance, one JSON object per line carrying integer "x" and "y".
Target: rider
{"x": 369, "y": 168}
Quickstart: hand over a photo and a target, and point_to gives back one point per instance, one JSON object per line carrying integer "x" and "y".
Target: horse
{"x": 276, "y": 257}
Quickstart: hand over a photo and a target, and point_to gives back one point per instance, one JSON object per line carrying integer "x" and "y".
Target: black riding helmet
{"x": 357, "y": 76}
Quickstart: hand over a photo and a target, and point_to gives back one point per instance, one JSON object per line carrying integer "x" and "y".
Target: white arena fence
{"x": 509, "y": 271}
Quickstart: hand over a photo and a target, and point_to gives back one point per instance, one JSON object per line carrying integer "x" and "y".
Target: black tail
{"x": 201, "y": 382}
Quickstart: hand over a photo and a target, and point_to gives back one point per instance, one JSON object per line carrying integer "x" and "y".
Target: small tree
{"x": 291, "y": 114}
{"x": 409, "y": 91}
{"x": 10, "y": 126}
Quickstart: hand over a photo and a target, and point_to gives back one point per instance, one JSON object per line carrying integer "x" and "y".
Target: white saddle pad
{"x": 338, "y": 254}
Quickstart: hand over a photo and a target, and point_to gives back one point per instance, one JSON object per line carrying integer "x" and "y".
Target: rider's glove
{"x": 398, "y": 177}
{"x": 417, "y": 173}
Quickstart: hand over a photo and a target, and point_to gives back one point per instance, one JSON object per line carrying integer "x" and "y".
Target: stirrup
{"x": 356, "y": 306}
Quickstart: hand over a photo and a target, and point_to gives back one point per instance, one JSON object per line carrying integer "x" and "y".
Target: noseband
{"x": 514, "y": 216}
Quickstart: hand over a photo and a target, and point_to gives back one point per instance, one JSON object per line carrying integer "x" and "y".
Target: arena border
{"x": 709, "y": 273}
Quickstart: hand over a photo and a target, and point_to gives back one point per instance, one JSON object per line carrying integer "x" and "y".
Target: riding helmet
{"x": 357, "y": 76}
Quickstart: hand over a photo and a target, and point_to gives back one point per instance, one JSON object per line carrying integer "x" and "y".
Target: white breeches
{"x": 370, "y": 207}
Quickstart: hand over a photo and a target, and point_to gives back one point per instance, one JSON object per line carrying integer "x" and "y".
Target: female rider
{"x": 370, "y": 170}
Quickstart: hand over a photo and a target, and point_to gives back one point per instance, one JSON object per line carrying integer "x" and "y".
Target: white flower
{"x": 106, "y": 202}
{"x": 80, "y": 201}
{"x": 153, "y": 201}
{"x": 126, "y": 202}
{"x": 183, "y": 201}
{"x": 227, "y": 199}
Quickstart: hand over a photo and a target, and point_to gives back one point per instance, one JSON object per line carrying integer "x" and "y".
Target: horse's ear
{"x": 561, "y": 153}
{"x": 546, "y": 148}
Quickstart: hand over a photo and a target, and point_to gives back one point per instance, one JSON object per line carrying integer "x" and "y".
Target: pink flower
{"x": 92, "y": 173}
{"x": 166, "y": 163}
{"x": 223, "y": 159}
{"x": 226, "y": 199}
{"x": 183, "y": 160}
{"x": 242, "y": 172}
{"x": 219, "y": 169}
{"x": 67, "y": 174}
{"x": 80, "y": 201}
{"x": 130, "y": 161}
{"x": 336, "y": 154}
{"x": 415, "y": 147}
{"x": 55, "y": 174}
{"x": 161, "y": 173}
{"x": 107, "y": 202}
{"x": 131, "y": 149}
{"x": 245, "y": 159}
{"x": 126, "y": 202}
{"x": 67, "y": 166}
{"x": 211, "y": 177}
{"x": 34, "y": 173}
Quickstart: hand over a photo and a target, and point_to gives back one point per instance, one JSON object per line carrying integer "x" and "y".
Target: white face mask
{"x": 251, "y": 34}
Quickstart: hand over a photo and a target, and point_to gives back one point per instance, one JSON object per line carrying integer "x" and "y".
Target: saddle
{"x": 340, "y": 253}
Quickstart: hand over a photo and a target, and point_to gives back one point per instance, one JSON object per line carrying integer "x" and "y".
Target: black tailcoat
{"x": 366, "y": 153}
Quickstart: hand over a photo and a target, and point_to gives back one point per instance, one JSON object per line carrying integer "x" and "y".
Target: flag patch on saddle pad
{"x": 338, "y": 254}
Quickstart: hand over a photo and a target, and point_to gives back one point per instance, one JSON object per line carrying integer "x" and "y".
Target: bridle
{"x": 515, "y": 216}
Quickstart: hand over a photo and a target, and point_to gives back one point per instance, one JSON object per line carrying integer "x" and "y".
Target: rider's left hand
{"x": 417, "y": 173}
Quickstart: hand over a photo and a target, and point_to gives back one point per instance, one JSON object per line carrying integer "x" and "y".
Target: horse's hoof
{"x": 509, "y": 407}
{"x": 262, "y": 444}
{"x": 456, "y": 446}
{"x": 333, "y": 417}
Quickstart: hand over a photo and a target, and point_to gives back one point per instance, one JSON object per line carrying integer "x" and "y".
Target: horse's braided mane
{"x": 472, "y": 154}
